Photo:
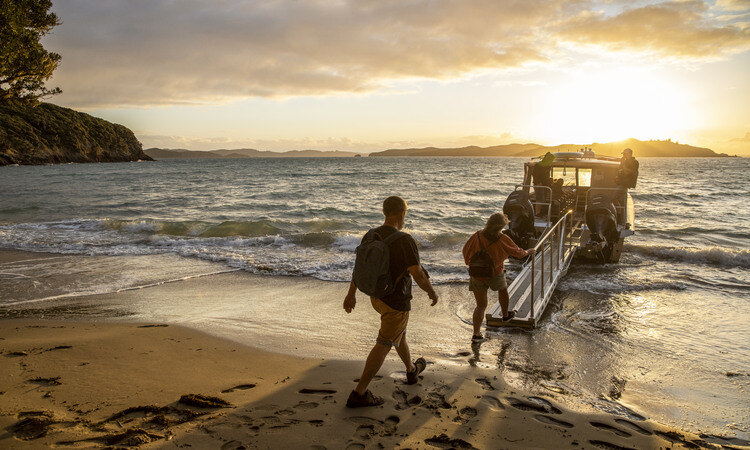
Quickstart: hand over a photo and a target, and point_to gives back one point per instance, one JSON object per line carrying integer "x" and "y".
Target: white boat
{"x": 585, "y": 214}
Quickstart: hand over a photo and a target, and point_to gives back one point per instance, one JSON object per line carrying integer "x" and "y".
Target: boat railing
{"x": 557, "y": 244}
{"x": 547, "y": 204}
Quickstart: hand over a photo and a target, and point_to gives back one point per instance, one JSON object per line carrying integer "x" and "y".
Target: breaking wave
{"x": 716, "y": 256}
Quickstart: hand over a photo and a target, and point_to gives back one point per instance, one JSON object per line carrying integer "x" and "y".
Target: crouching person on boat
{"x": 485, "y": 253}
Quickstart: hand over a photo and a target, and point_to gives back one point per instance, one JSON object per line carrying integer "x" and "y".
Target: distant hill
{"x": 165, "y": 153}
{"x": 640, "y": 149}
{"x": 43, "y": 133}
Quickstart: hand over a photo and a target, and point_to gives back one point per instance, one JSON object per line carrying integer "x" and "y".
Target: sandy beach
{"x": 155, "y": 385}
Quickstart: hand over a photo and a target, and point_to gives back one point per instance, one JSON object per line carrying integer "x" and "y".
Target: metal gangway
{"x": 531, "y": 290}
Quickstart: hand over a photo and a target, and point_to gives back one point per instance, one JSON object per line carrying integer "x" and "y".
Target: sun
{"x": 615, "y": 105}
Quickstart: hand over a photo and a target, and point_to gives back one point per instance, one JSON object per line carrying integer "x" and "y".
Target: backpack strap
{"x": 393, "y": 237}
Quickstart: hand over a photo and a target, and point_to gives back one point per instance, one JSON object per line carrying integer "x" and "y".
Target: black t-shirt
{"x": 403, "y": 254}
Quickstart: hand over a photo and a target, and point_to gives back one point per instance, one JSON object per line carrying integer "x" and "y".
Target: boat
{"x": 583, "y": 214}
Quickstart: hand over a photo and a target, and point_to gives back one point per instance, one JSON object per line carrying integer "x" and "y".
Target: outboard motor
{"x": 520, "y": 212}
{"x": 601, "y": 219}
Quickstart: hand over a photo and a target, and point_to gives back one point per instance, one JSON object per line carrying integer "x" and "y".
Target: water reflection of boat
{"x": 581, "y": 212}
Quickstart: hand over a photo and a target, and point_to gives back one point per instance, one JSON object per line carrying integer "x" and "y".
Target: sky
{"x": 367, "y": 75}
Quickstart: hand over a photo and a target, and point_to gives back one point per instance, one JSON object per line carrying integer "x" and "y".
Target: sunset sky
{"x": 373, "y": 74}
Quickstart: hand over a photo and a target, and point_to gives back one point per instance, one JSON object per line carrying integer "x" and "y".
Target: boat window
{"x": 568, "y": 175}
{"x": 584, "y": 177}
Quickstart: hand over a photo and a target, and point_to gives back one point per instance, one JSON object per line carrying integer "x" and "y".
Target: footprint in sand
{"x": 364, "y": 432}
{"x": 494, "y": 402}
{"x": 317, "y": 391}
{"x": 634, "y": 427}
{"x": 465, "y": 414}
{"x": 52, "y": 381}
{"x": 553, "y": 421}
{"x": 368, "y": 427}
{"x": 303, "y": 405}
{"x": 316, "y": 422}
{"x": 465, "y": 353}
{"x": 403, "y": 401}
{"x": 443, "y": 441}
{"x": 604, "y": 426}
{"x": 355, "y": 446}
{"x": 485, "y": 383}
{"x": 608, "y": 445}
{"x": 240, "y": 387}
{"x": 537, "y": 404}
{"x": 232, "y": 445}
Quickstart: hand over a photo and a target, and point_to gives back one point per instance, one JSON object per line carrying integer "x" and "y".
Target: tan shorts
{"x": 392, "y": 323}
{"x": 497, "y": 283}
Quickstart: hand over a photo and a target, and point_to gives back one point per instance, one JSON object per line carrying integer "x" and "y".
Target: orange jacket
{"x": 498, "y": 250}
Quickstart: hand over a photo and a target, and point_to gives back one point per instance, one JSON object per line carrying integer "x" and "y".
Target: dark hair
{"x": 393, "y": 205}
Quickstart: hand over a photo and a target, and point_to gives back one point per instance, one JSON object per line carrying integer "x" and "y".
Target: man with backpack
{"x": 387, "y": 259}
{"x": 485, "y": 253}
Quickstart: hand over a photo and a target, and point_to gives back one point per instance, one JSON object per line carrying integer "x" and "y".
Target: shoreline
{"x": 244, "y": 320}
{"x": 75, "y": 383}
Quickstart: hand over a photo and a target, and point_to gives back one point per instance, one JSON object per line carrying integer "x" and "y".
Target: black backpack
{"x": 372, "y": 265}
{"x": 481, "y": 264}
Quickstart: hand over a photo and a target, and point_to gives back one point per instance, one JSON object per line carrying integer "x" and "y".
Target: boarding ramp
{"x": 531, "y": 290}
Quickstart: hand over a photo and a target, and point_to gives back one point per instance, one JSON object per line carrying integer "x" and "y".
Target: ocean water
{"x": 666, "y": 329}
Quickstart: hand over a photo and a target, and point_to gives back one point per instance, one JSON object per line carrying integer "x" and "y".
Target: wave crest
{"x": 717, "y": 256}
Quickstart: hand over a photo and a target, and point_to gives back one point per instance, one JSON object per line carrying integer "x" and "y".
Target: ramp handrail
{"x": 559, "y": 229}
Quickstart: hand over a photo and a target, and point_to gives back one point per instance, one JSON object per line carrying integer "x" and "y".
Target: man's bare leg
{"x": 372, "y": 365}
{"x": 502, "y": 298}
{"x": 478, "y": 317}
{"x": 405, "y": 354}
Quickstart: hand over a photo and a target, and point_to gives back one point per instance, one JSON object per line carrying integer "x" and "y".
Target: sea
{"x": 664, "y": 333}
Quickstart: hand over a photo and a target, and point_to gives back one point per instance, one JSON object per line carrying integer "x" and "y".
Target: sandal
{"x": 511, "y": 314}
{"x": 478, "y": 338}
{"x": 419, "y": 366}
{"x": 367, "y": 399}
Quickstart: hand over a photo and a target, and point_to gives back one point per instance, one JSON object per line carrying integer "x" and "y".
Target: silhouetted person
{"x": 541, "y": 177}
{"x": 627, "y": 174}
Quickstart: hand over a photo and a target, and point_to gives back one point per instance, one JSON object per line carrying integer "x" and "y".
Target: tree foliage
{"x": 24, "y": 63}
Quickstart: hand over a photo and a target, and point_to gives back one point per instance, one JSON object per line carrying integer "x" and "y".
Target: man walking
{"x": 394, "y": 307}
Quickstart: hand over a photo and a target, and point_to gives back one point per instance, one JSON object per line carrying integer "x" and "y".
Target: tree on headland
{"x": 24, "y": 63}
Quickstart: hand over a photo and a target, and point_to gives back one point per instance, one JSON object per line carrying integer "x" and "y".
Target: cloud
{"x": 672, "y": 30}
{"x": 164, "y": 52}
{"x": 733, "y": 5}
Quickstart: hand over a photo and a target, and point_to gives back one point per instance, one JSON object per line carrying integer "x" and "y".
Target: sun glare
{"x": 607, "y": 107}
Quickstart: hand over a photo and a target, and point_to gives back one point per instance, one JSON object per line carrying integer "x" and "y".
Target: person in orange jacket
{"x": 499, "y": 246}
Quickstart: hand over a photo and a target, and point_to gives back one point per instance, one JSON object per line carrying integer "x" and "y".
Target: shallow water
{"x": 666, "y": 329}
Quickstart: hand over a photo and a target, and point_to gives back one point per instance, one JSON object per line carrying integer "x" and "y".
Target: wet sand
{"x": 74, "y": 384}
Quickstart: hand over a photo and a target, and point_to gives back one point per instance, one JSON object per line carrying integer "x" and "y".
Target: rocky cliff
{"x": 44, "y": 133}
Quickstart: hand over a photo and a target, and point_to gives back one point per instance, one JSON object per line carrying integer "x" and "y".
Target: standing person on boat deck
{"x": 541, "y": 177}
{"x": 627, "y": 174}
{"x": 498, "y": 246}
{"x": 394, "y": 307}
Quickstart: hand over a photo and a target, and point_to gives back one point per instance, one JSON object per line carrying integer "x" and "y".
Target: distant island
{"x": 167, "y": 153}
{"x": 665, "y": 148}
{"x": 43, "y": 133}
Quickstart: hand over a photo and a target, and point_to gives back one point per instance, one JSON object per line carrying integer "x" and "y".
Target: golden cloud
{"x": 159, "y": 52}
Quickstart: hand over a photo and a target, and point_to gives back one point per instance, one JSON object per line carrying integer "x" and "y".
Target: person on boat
{"x": 393, "y": 308}
{"x": 627, "y": 174}
{"x": 541, "y": 177}
{"x": 499, "y": 246}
